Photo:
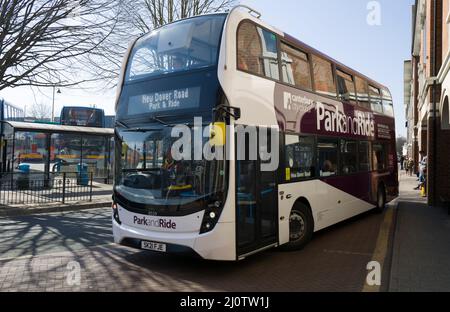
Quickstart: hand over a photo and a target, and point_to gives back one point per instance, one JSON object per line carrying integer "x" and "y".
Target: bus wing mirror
{"x": 234, "y": 112}
{"x": 237, "y": 113}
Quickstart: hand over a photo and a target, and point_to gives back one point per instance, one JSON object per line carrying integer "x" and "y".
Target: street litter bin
{"x": 24, "y": 168}
{"x": 23, "y": 177}
{"x": 82, "y": 175}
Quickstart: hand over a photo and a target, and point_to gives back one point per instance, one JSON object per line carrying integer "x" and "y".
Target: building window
{"x": 323, "y": 77}
{"x": 346, "y": 87}
{"x": 327, "y": 156}
{"x": 257, "y": 51}
{"x": 296, "y": 67}
{"x": 349, "y": 157}
{"x": 375, "y": 99}
{"x": 299, "y": 157}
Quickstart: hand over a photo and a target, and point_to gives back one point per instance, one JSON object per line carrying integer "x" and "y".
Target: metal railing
{"x": 32, "y": 188}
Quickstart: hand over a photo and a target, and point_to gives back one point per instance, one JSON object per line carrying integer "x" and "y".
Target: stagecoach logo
{"x": 334, "y": 120}
{"x": 156, "y": 223}
{"x": 297, "y": 103}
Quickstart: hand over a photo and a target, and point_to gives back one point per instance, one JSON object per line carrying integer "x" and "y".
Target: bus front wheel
{"x": 301, "y": 227}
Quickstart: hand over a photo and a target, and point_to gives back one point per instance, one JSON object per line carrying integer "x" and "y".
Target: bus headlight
{"x": 211, "y": 217}
{"x": 116, "y": 213}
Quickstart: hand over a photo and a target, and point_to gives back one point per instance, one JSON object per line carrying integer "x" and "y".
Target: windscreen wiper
{"x": 156, "y": 118}
{"x": 122, "y": 124}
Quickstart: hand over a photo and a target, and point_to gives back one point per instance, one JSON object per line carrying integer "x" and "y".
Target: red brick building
{"x": 427, "y": 92}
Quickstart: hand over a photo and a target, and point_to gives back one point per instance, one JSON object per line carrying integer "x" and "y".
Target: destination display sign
{"x": 163, "y": 101}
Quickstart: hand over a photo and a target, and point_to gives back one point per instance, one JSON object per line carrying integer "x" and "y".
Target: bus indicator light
{"x": 218, "y": 134}
{"x": 288, "y": 174}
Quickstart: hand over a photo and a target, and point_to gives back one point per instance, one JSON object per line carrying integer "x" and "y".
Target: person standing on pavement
{"x": 402, "y": 160}
{"x": 422, "y": 169}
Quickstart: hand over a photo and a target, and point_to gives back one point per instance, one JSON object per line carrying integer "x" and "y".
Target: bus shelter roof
{"x": 51, "y": 128}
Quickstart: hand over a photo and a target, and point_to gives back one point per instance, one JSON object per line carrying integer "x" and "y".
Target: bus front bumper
{"x": 216, "y": 245}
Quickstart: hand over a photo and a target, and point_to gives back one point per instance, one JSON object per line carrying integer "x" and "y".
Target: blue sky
{"x": 339, "y": 28}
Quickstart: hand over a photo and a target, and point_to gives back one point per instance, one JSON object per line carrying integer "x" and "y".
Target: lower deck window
{"x": 364, "y": 156}
{"x": 349, "y": 158}
{"x": 327, "y": 151}
{"x": 379, "y": 153}
{"x": 299, "y": 157}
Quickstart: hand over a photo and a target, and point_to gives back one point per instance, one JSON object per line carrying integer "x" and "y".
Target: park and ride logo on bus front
{"x": 155, "y": 223}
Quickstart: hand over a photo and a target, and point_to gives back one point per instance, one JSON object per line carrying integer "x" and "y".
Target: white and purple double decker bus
{"x": 309, "y": 142}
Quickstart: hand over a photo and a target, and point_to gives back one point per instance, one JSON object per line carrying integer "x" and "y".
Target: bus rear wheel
{"x": 301, "y": 227}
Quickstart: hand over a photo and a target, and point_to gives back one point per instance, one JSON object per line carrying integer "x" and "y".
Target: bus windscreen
{"x": 181, "y": 46}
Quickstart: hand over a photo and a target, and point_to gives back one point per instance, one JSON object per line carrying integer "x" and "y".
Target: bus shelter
{"x": 50, "y": 148}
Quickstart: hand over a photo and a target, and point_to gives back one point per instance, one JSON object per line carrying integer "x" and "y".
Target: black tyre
{"x": 381, "y": 199}
{"x": 301, "y": 228}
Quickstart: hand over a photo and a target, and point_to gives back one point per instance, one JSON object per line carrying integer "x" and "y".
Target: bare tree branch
{"x": 40, "y": 111}
{"x": 45, "y": 43}
{"x": 40, "y": 40}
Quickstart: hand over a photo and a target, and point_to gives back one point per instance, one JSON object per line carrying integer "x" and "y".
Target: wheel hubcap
{"x": 296, "y": 226}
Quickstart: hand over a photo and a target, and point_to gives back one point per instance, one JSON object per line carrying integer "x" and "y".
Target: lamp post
{"x": 53, "y": 102}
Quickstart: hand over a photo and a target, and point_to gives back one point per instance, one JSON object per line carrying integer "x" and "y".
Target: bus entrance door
{"x": 256, "y": 208}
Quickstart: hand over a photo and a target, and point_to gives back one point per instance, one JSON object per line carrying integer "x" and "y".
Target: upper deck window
{"x": 388, "y": 105}
{"x": 323, "y": 77}
{"x": 185, "y": 45}
{"x": 363, "y": 92}
{"x": 296, "y": 68}
{"x": 375, "y": 99}
{"x": 346, "y": 87}
{"x": 257, "y": 51}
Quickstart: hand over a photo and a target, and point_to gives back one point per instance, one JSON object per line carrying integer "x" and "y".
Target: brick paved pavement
{"x": 421, "y": 254}
{"x": 36, "y": 254}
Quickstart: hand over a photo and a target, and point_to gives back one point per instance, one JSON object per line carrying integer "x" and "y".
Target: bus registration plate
{"x": 153, "y": 246}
